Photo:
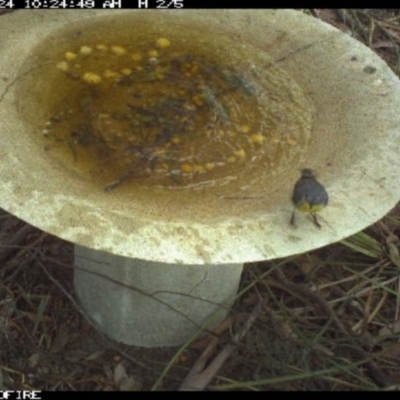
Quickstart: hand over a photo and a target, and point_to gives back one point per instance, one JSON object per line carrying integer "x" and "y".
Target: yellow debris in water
{"x": 194, "y": 68}
{"x": 126, "y": 71}
{"x": 136, "y": 56}
{"x": 111, "y": 74}
{"x": 101, "y": 47}
{"x": 85, "y": 50}
{"x": 176, "y": 140}
{"x": 198, "y": 99}
{"x": 186, "y": 167}
{"x": 164, "y": 167}
{"x": 291, "y": 141}
{"x": 153, "y": 53}
{"x": 198, "y": 168}
{"x": 231, "y": 159}
{"x": 62, "y": 66}
{"x": 244, "y": 129}
{"x": 209, "y": 166}
{"x": 163, "y": 43}
{"x": 69, "y": 55}
{"x": 257, "y": 138}
{"x": 92, "y": 78}
{"x": 240, "y": 153}
{"x": 118, "y": 50}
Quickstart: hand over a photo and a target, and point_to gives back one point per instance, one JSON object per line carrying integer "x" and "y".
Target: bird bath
{"x": 233, "y": 104}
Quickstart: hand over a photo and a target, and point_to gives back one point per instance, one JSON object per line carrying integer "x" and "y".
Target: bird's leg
{"x": 293, "y": 217}
{"x": 315, "y": 220}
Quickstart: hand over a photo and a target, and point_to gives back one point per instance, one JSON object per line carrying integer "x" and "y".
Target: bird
{"x": 309, "y": 196}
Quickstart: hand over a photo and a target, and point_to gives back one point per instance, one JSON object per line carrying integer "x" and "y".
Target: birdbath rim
{"x": 360, "y": 174}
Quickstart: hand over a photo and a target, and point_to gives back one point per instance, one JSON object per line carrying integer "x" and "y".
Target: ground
{"x": 325, "y": 320}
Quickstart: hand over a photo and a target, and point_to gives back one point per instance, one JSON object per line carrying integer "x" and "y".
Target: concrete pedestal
{"x": 151, "y": 304}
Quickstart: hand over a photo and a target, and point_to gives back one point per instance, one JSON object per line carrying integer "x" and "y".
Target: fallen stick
{"x": 199, "y": 376}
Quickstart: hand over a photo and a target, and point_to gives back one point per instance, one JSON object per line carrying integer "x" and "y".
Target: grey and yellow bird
{"x": 309, "y": 196}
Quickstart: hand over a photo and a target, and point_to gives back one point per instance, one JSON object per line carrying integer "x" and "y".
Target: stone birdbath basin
{"x": 165, "y": 145}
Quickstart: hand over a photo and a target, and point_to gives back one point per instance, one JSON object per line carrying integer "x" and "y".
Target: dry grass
{"x": 325, "y": 320}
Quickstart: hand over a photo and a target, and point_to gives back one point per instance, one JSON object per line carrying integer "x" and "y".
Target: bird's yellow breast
{"x": 311, "y": 208}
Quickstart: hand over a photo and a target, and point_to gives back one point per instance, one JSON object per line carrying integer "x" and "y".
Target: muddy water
{"x": 167, "y": 107}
